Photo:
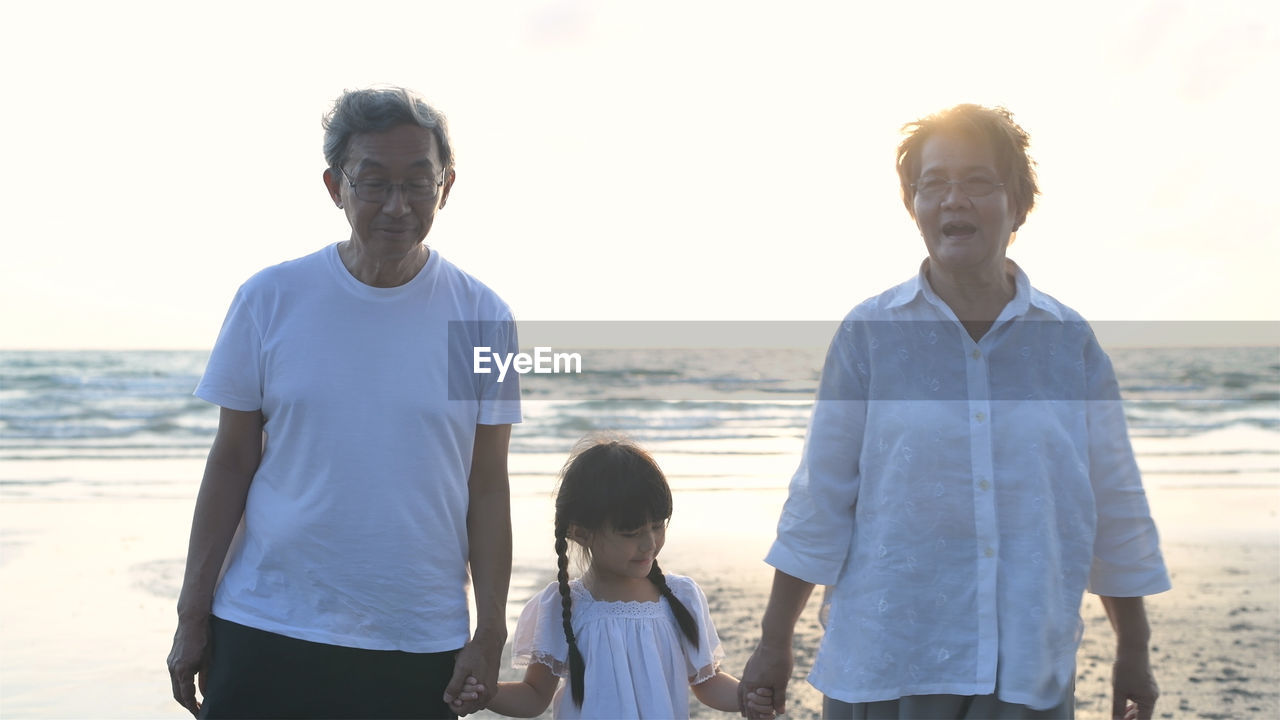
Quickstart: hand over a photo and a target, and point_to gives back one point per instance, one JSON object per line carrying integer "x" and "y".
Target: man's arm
{"x": 1132, "y": 679}
{"x": 233, "y": 460}
{"x": 489, "y": 537}
{"x": 770, "y": 665}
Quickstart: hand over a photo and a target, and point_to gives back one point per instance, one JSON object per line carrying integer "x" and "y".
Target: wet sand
{"x": 87, "y": 591}
{"x": 1216, "y": 635}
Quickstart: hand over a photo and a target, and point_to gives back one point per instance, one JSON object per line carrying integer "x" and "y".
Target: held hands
{"x": 475, "y": 674}
{"x": 471, "y": 691}
{"x": 757, "y": 703}
{"x": 762, "y": 692}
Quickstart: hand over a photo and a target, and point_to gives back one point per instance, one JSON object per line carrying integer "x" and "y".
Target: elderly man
{"x": 365, "y": 467}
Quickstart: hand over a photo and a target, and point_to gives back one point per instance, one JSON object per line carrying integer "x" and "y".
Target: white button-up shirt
{"x": 960, "y": 496}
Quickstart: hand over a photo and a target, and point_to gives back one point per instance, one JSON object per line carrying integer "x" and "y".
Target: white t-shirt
{"x": 355, "y": 525}
{"x": 960, "y": 495}
{"x": 638, "y": 662}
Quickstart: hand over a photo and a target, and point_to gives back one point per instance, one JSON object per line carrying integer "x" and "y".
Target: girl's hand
{"x": 471, "y": 689}
{"x": 759, "y": 704}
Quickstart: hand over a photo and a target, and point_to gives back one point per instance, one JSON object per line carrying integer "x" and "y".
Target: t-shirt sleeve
{"x": 233, "y": 376}
{"x": 500, "y": 401}
{"x": 539, "y": 636}
{"x": 703, "y": 661}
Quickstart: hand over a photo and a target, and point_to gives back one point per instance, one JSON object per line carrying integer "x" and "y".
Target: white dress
{"x": 638, "y": 663}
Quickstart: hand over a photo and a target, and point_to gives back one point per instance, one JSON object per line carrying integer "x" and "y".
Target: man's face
{"x": 403, "y": 156}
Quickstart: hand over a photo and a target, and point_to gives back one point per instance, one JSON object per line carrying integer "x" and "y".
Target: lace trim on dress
{"x": 558, "y": 668}
{"x": 705, "y": 674}
{"x": 624, "y": 608}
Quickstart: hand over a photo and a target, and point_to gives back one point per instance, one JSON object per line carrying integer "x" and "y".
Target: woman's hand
{"x": 1131, "y": 678}
{"x": 769, "y": 669}
{"x": 764, "y": 682}
{"x": 1134, "y": 689}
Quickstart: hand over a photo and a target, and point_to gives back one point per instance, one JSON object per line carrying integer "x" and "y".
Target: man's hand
{"x": 475, "y": 674}
{"x": 189, "y": 658}
{"x": 233, "y": 461}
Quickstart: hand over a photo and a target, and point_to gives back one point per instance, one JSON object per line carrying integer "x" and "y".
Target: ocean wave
{"x": 138, "y": 405}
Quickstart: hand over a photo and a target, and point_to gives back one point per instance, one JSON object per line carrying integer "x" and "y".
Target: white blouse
{"x": 959, "y": 496}
{"x": 638, "y": 663}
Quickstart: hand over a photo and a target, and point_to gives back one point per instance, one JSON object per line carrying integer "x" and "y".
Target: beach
{"x": 87, "y": 606}
{"x": 101, "y": 455}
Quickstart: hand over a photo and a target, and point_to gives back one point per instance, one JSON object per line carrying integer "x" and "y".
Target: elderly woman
{"x": 368, "y": 466}
{"x": 967, "y": 473}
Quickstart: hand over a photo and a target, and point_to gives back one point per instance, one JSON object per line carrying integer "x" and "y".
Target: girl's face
{"x": 624, "y": 554}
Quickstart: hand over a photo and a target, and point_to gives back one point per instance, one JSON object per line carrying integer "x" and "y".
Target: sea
{"x": 78, "y": 425}
{"x": 101, "y": 454}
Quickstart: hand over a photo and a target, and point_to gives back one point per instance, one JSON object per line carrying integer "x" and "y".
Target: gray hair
{"x": 378, "y": 109}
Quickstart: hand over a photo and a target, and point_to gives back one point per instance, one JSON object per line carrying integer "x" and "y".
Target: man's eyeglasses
{"x": 935, "y": 187}
{"x": 379, "y": 191}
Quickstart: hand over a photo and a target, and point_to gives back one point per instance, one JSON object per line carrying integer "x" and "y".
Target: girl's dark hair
{"x": 610, "y": 483}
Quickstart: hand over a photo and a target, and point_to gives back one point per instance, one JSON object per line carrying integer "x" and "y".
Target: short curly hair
{"x": 375, "y": 110}
{"x": 994, "y": 124}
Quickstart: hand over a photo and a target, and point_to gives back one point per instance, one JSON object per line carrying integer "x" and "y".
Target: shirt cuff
{"x": 1108, "y": 583}
{"x": 805, "y": 568}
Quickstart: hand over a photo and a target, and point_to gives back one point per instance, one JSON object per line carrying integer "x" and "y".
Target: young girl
{"x": 629, "y": 638}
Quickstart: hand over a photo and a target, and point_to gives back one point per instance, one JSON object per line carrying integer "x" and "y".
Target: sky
{"x": 631, "y": 161}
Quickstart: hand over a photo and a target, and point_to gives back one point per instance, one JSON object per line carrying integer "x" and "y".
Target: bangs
{"x": 614, "y": 484}
{"x": 637, "y": 501}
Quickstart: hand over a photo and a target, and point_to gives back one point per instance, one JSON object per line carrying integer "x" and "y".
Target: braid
{"x": 577, "y": 666}
{"x": 687, "y": 624}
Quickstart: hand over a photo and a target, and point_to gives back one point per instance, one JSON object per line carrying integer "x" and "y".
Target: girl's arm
{"x": 721, "y": 693}
{"x": 527, "y": 698}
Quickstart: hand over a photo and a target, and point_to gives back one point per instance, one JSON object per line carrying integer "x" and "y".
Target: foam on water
{"x": 89, "y": 423}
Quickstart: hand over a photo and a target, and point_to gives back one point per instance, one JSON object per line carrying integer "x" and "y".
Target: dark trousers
{"x": 258, "y": 674}
{"x": 946, "y": 707}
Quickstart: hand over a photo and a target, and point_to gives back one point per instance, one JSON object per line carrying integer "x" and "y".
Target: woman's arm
{"x": 527, "y": 698}
{"x": 1132, "y": 679}
{"x": 770, "y": 665}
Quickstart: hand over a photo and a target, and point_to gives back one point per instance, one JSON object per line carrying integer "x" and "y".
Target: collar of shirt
{"x": 1025, "y": 297}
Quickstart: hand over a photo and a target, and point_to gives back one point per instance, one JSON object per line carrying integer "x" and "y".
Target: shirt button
{"x": 985, "y": 485}
{"x": 976, "y": 354}
{"x": 989, "y": 552}
{"x": 980, "y": 416}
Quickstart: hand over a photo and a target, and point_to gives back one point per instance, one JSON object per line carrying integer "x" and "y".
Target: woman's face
{"x": 964, "y": 235}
